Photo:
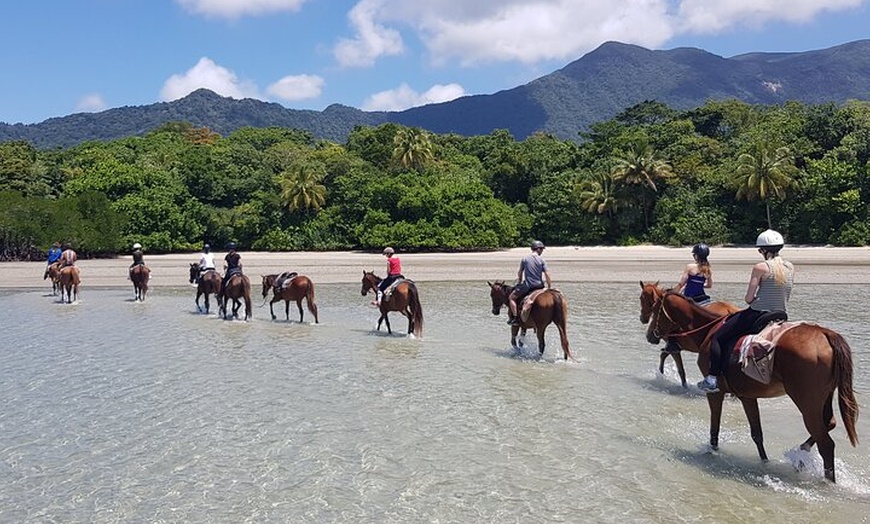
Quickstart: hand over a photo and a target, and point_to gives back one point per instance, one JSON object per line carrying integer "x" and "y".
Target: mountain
{"x": 596, "y": 87}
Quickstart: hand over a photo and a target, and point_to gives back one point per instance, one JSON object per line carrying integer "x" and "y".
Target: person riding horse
{"x": 68, "y": 257}
{"x": 532, "y": 274}
{"x": 394, "y": 272}
{"x": 233, "y": 266}
{"x": 769, "y": 289}
{"x": 206, "y": 262}
{"x": 697, "y": 277}
{"x": 138, "y": 258}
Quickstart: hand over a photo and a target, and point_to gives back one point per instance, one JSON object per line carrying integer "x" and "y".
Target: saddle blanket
{"x": 392, "y": 287}
{"x": 529, "y": 300}
{"x": 756, "y": 352}
{"x": 285, "y": 279}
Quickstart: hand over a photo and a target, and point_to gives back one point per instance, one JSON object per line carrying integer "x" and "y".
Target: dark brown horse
{"x": 69, "y": 282}
{"x": 649, "y": 294}
{"x": 209, "y": 284}
{"x": 404, "y": 299}
{"x": 139, "y": 275}
{"x": 811, "y": 362}
{"x": 298, "y": 288}
{"x": 238, "y": 288}
{"x": 549, "y": 307}
{"x": 52, "y": 271}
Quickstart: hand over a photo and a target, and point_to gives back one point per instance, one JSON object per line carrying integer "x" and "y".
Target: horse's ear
{"x": 488, "y": 283}
{"x": 641, "y": 284}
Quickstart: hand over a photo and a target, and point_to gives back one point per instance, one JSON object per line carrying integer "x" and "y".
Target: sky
{"x": 61, "y": 57}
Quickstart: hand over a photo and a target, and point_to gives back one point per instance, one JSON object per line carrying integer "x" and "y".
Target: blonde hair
{"x": 704, "y": 268}
{"x": 777, "y": 269}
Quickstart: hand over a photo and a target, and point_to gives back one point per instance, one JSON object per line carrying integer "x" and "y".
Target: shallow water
{"x": 114, "y": 411}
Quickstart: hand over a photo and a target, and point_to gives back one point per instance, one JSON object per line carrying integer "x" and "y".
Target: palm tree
{"x": 596, "y": 194}
{"x": 641, "y": 167}
{"x": 764, "y": 173}
{"x": 301, "y": 187}
{"x": 412, "y": 148}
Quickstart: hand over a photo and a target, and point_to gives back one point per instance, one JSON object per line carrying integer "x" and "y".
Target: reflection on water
{"x": 114, "y": 411}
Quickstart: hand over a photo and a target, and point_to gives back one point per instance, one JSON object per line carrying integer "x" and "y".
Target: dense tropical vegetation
{"x": 719, "y": 173}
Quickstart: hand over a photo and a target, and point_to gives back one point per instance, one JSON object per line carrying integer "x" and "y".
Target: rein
{"x": 679, "y": 334}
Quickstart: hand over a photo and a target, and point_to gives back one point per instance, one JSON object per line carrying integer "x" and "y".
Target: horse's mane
{"x": 701, "y": 310}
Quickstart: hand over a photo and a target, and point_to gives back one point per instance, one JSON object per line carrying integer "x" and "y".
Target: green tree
{"x": 764, "y": 172}
{"x": 301, "y": 187}
{"x": 412, "y": 149}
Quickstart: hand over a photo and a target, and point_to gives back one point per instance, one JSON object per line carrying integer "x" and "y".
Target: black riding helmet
{"x": 701, "y": 250}
{"x": 231, "y": 246}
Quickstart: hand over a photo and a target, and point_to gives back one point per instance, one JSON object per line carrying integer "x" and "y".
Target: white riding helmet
{"x": 769, "y": 238}
{"x": 137, "y": 245}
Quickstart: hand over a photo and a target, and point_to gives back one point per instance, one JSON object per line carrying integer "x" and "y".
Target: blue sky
{"x": 68, "y": 56}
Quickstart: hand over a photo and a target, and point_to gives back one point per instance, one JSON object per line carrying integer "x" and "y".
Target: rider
{"x": 206, "y": 261}
{"x": 532, "y": 274}
{"x": 695, "y": 278}
{"x": 68, "y": 257}
{"x": 394, "y": 272}
{"x": 769, "y": 290}
{"x": 233, "y": 266}
{"x": 138, "y": 258}
{"x": 54, "y": 254}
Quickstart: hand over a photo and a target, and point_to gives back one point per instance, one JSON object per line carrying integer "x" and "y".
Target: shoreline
{"x": 814, "y": 265}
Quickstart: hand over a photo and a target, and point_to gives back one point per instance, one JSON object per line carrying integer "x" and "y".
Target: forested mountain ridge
{"x": 591, "y": 89}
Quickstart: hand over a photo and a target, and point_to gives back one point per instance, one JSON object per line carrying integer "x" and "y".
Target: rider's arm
{"x": 709, "y": 283}
{"x": 683, "y": 279}
{"x": 759, "y": 271}
{"x": 520, "y": 273}
{"x": 547, "y": 279}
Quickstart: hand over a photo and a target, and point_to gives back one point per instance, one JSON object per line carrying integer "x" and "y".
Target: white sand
{"x": 574, "y": 264}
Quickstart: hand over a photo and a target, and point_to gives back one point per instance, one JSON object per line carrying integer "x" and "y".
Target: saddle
{"x": 529, "y": 300}
{"x": 755, "y": 351}
{"x": 392, "y": 287}
{"x": 284, "y": 279}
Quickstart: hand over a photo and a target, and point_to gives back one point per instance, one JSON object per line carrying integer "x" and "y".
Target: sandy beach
{"x": 818, "y": 265}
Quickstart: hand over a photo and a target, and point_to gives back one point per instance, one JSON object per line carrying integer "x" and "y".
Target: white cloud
{"x": 372, "y": 40}
{"x": 209, "y": 75}
{"x": 91, "y": 103}
{"x": 237, "y": 8}
{"x": 404, "y": 97}
{"x": 702, "y": 16}
{"x": 299, "y": 87}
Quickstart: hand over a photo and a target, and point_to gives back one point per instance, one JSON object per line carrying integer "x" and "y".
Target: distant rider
{"x": 233, "y": 265}
{"x": 532, "y": 274}
{"x": 394, "y": 272}
{"x": 206, "y": 261}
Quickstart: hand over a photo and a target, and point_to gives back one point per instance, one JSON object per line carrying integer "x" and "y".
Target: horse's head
{"x": 370, "y": 282}
{"x": 498, "y": 294}
{"x": 268, "y": 283}
{"x": 650, "y": 293}
{"x": 194, "y": 271}
{"x": 675, "y": 314}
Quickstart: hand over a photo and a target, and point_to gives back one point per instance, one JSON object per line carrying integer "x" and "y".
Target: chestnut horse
{"x": 298, "y": 288}
{"x": 549, "y": 307}
{"x": 139, "y": 275}
{"x": 404, "y": 299}
{"x": 69, "y": 281}
{"x": 238, "y": 288}
{"x": 811, "y": 362}
{"x": 52, "y": 271}
{"x": 209, "y": 283}
{"x": 650, "y": 292}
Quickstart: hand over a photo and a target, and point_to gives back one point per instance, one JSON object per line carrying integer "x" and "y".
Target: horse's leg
{"x": 678, "y": 360}
{"x": 818, "y": 429}
{"x": 750, "y": 407}
{"x": 715, "y": 401}
{"x": 514, "y": 331}
{"x": 196, "y": 300}
{"x": 386, "y": 319}
{"x": 271, "y": 309}
{"x": 540, "y": 332}
{"x": 299, "y": 307}
{"x": 827, "y": 415}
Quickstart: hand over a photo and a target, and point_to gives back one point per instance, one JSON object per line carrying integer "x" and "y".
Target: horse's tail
{"x": 309, "y": 298}
{"x": 246, "y": 291}
{"x": 416, "y": 311}
{"x": 843, "y": 379}
{"x": 560, "y": 318}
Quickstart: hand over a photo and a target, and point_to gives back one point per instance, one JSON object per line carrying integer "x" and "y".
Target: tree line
{"x": 718, "y": 174}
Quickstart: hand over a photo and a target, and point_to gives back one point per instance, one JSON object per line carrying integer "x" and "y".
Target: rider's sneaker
{"x": 708, "y": 387}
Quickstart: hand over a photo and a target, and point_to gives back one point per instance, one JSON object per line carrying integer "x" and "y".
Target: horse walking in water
{"x": 69, "y": 282}
{"x": 209, "y": 284}
{"x": 811, "y": 362}
{"x": 405, "y": 299}
{"x": 298, "y": 288}
{"x": 238, "y": 288}
{"x": 139, "y": 275}
{"x": 52, "y": 271}
{"x": 652, "y": 291}
{"x": 548, "y": 307}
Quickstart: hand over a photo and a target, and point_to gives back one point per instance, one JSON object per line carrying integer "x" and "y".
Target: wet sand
{"x": 819, "y": 265}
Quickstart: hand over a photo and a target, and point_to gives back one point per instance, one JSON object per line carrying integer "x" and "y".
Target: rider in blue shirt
{"x": 54, "y": 253}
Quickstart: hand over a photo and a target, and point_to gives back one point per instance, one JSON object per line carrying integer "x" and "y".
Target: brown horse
{"x": 238, "y": 288}
{"x": 52, "y": 271}
{"x": 139, "y": 275}
{"x": 549, "y": 307}
{"x": 209, "y": 283}
{"x": 811, "y": 362}
{"x": 299, "y": 287}
{"x": 404, "y": 299}
{"x": 69, "y": 281}
{"x": 649, "y": 294}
